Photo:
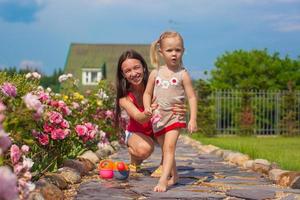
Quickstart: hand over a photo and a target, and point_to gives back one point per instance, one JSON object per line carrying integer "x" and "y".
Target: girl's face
{"x": 133, "y": 71}
{"x": 172, "y": 51}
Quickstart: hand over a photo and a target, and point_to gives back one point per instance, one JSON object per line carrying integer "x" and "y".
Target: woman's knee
{"x": 140, "y": 146}
{"x": 143, "y": 151}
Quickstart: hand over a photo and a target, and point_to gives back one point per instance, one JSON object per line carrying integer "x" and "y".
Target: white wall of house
{"x": 91, "y": 76}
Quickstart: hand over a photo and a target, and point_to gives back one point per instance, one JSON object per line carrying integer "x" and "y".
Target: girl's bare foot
{"x": 173, "y": 180}
{"x": 161, "y": 186}
{"x": 157, "y": 173}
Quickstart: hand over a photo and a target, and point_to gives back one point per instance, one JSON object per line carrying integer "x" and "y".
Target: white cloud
{"x": 288, "y": 27}
{"x": 30, "y": 64}
{"x": 284, "y": 22}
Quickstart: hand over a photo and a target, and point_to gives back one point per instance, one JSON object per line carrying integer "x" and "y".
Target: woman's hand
{"x": 148, "y": 111}
{"x": 179, "y": 109}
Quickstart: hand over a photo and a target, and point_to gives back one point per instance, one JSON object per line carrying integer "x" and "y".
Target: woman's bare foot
{"x": 173, "y": 180}
{"x": 161, "y": 186}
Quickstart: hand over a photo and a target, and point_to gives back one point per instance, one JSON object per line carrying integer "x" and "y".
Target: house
{"x": 89, "y": 63}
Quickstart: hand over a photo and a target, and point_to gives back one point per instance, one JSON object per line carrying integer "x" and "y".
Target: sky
{"x": 38, "y": 33}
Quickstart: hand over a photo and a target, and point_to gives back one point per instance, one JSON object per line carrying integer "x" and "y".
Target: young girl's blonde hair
{"x": 156, "y": 45}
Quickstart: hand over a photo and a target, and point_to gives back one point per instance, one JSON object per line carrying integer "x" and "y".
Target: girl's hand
{"x": 192, "y": 126}
{"x": 153, "y": 104}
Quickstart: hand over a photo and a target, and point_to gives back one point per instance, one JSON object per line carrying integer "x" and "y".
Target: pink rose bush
{"x": 8, "y": 186}
{"x": 56, "y": 126}
{"x": 21, "y": 168}
{"x": 15, "y": 184}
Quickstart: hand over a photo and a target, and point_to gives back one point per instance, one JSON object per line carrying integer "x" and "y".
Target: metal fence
{"x": 258, "y": 112}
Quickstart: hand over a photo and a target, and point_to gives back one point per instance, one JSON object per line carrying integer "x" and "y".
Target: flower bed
{"x": 40, "y": 129}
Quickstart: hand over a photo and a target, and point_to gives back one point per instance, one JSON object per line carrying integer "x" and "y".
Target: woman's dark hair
{"x": 122, "y": 85}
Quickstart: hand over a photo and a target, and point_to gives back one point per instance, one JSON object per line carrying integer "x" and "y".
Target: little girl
{"x": 169, "y": 84}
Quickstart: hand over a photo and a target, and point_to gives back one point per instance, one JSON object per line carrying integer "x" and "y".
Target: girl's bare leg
{"x": 174, "y": 175}
{"x": 169, "y": 141}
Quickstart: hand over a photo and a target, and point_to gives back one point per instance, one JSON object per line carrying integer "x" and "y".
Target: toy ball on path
{"x": 121, "y": 170}
{"x": 105, "y": 168}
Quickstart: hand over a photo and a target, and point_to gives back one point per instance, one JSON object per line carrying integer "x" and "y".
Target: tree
{"x": 52, "y": 80}
{"x": 255, "y": 69}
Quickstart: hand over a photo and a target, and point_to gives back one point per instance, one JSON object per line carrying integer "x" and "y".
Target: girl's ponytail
{"x": 154, "y": 53}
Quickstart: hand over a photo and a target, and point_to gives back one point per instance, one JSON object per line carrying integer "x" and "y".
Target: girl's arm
{"x": 147, "y": 97}
{"x": 133, "y": 111}
{"x": 188, "y": 87}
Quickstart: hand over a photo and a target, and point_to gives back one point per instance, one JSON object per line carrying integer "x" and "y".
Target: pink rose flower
{"x": 48, "y": 127}
{"x": 67, "y": 132}
{"x": 8, "y": 186}
{"x": 32, "y": 102}
{"x": 15, "y": 153}
{"x": 89, "y": 126}
{"x": 35, "y": 133}
{"x": 65, "y": 110}
{"x": 64, "y": 124}
{"x": 18, "y": 168}
{"x": 61, "y": 104}
{"x": 58, "y": 134}
{"x": 92, "y": 134}
{"x": 9, "y": 90}
{"x": 55, "y": 117}
{"x": 109, "y": 114}
{"x": 54, "y": 103}
{"x": 43, "y": 139}
{"x": 81, "y": 130}
{"x": 5, "y": 141}
{"x": 25, "y": 149}
{"x": 43, "y": 96}
{"x": 75, "y": 105}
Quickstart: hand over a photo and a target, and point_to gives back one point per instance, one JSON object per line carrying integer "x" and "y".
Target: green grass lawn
{"x": 282, "y": 150}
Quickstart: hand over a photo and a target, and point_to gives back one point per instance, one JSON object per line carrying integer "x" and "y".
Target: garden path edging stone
{"x": 51, "y": 185}
{"x": 278, "y": 176}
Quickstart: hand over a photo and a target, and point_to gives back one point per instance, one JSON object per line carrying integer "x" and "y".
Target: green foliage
{"x": 205, "y": 114}
{"x": 19, "y": 81}
{"x": 290, "y": 122}
{"x": 254, "y": 69}
{"x": 52, "y": 80}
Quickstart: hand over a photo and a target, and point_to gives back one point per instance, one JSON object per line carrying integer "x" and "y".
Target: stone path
{"x": 202, "y": 176}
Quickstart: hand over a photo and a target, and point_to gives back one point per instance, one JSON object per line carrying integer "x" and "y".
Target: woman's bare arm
{"x": 133, "y": 111}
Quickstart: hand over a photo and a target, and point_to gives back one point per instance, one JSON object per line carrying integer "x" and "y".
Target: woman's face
{"x": 133, "y": 71}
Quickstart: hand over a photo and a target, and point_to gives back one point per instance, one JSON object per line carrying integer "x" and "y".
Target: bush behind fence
{"x": 250, "y": 112}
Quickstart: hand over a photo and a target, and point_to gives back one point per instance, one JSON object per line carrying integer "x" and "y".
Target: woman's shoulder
{"x": 128, "y": 98}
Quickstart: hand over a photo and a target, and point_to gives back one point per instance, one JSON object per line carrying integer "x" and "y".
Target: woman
{"x": 131, "y": 80}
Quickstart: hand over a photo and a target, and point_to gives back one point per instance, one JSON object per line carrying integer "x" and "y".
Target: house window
{"x": 91, "y": 76}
